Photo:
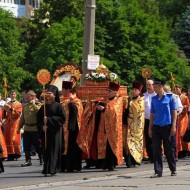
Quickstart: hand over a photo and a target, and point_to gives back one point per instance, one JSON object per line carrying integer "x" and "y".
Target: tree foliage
{"x": 11, "y": 52}
{"x": 58, "y": 9}
{"x": 62, "y": 43}
{"x": 132, "y": 39}
{"x": 170, "y": 10}
{"x": 130, "y": 35}
{"x": 182, "y": 33}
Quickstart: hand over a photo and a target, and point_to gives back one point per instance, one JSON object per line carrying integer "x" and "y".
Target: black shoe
{"x": 156, "y": 176}
{"x": 111, "y": 168}
{"x": 130, "y": 166}
{"x": 27, "y": 163}
{"x": 70, "y": 171}
{"x": 44, "y": 172}
{"x": 173, "y": 173}
{"x": 145, "y": 159}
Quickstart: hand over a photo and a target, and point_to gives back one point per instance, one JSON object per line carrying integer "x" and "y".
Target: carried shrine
{"x": 96, "y": 85}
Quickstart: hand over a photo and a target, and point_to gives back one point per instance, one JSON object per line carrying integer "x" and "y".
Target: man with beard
{"x": 50, "y": 120}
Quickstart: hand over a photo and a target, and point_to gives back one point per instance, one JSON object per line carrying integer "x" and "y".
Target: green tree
{"x": 58, "y": 9}
{"x": 182, "y": 33}
{"x": 62, "y": 43}
{"x": 172, "y": 9}
{"x": 129, "y": 39}
{"x": 167, "y": 9}
{"x": 11, "y": 52}
{"x": 34, "y": 33}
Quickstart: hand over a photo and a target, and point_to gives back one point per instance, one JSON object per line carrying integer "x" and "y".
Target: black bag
{"x": 186, "y": 137}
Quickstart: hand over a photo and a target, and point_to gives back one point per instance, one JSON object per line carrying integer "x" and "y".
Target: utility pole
{"x": 27, "y": 9}
{"x": 88, "y": 35}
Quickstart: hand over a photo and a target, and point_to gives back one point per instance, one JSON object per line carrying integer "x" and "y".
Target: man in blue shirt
{"x": 162, "y": 128}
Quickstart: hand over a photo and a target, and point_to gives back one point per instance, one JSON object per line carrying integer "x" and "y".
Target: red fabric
{"x": 137, "y": 85}
{"x": 113, "y": 86}
{"x": 93, "y": 148}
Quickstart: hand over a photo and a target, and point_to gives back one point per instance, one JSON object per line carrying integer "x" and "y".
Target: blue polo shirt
{"x": 162, "y": 109}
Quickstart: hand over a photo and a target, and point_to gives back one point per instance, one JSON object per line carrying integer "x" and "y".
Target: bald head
{"x": 167, "y": 88}
{"x": 149, "y": 86}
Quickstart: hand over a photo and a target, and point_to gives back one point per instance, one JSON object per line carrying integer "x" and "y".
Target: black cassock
{"x": 55, "y": 114}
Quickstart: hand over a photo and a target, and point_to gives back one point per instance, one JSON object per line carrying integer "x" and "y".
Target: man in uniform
{"x": 28, "y": 123}
{"x": 162, "y": 127}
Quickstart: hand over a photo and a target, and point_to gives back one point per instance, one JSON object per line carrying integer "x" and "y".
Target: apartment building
{"x": 20, "y": 8}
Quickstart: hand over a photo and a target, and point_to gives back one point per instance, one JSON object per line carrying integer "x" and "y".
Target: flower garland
{"x": 101, "y": 77}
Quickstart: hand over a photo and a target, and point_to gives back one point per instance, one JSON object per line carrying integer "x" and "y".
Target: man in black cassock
{"x": 54, "y": 119}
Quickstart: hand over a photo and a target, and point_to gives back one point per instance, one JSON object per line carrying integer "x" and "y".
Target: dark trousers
{"x": 110, "y": 160}
{"x": 31, "y": 138}
{"x": 130, "y": 161}
{"x": 1, "y": 166}
{"x": 148, "y": 140}
{"x": 159, "y": 135}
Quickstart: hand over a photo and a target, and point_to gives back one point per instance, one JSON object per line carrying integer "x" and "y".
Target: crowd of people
{"x": 105, "y": 132}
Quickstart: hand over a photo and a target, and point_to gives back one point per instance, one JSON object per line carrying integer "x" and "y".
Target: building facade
{"x": 20, "y": 8}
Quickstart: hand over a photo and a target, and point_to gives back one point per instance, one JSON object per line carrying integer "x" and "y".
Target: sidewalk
{"x": 121, "y": 179}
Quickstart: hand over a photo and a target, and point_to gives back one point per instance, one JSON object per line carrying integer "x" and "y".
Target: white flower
{"x": 96, "y": 76}
{"x": 102, "y": 75}
{"x": 87, "y": 75}
{"x": 113, "y": 76}
{"x": 93, "y": 74}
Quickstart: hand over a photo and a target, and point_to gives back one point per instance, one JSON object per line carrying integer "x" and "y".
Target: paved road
{"x": 16, "y": 177}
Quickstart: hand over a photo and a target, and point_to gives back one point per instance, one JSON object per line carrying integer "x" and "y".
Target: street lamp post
{"x": 88, "y": 35}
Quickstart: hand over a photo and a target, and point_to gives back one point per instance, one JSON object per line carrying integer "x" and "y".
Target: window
{"x": 17, "y": 2}
{"x": 22, "y": 2}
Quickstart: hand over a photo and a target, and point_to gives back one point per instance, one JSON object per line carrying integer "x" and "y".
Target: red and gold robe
{"x": 182, "y": 124}
{"x": 87, "y": 138}
{"x": 86, "y": 133}
{"x": 11, "y": 122}
{"x": 110, "y": 129}
{"x": 3, "y": 144}
{"x": 134, "y": 131}
{"x": 78, "y": 104}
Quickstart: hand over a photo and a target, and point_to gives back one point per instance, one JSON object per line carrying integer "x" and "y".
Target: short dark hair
{"x": 12, "y": 91}
{"x": 178, "y": 86}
